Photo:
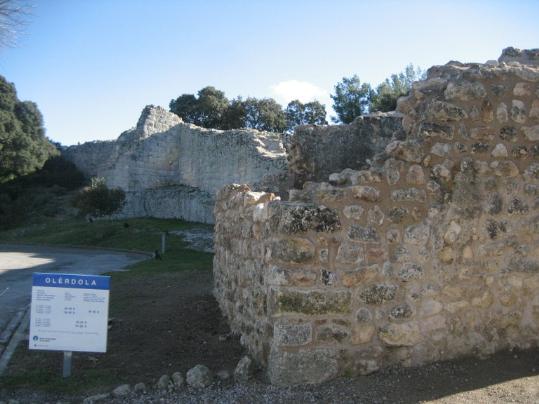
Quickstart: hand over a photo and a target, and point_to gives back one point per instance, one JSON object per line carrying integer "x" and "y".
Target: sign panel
{"x": 69, "y": 312}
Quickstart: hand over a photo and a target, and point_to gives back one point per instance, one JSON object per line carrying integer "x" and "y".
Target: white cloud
{"x": 289, "y": 90}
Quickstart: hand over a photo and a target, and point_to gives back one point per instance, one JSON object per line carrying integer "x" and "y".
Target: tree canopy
{"x": 211, "y": 109}
{"x": 353, "y": 98}
{"x": 310, "y": 113}
{"x": 23, "y": 145}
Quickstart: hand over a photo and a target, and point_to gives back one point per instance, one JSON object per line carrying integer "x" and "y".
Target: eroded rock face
{"x": 435, "y": 252}
{"x": 172, "y": 169}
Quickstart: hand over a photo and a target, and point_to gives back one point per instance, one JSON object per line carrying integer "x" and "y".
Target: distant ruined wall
{"x": 172, "y": 169}
{"x": 430, "y": 254}
{"x": 314, "y": 152}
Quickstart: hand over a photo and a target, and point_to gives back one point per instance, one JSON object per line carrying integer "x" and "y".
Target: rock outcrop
{"x": 172, "y": 169}
{"x": 429, "y": 254}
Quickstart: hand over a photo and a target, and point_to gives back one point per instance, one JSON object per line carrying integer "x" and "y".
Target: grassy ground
{"x": 149, "y": 303}
{"x": 130, "y": 234}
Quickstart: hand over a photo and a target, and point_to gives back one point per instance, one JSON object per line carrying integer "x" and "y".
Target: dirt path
{"x": 17, "y": 263}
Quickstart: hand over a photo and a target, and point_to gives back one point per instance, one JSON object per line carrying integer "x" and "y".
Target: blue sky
{"x": 93, "y": 65}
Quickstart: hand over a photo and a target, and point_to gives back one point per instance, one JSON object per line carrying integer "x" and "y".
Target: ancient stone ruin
{"x": 429, "y": 254}
{"x": 171, "y": 169}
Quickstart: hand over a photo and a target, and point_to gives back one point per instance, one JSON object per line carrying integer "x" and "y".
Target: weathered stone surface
{"x": 164, "y": 382}
{"x": 405, "y": 334}
{"x": 315, "y": 152}
{"x": 314, "y": 302}
{"x": 199, "y": 377}
{"x": 121, "y": 391}
{"x": 177, "y": 379}
{"x": 410, "y": 271}
{"x": 362, "y": 333}
{"x": 293, "y": 249}
{"x": 244, "y": 370}
{"x": 286, "y": 334}
{"x": 164, "y": 152}
{"x": 531, "y": 132}
{"x": 436, "y": 256}
{"x": 378, "y": 294}
{"x": 295, "y": 218}
{"x": 353, "y": 212}
{"x": 363, "y": 233}
{"x": 499, "y": 151}
{"x": 302, "y": 367}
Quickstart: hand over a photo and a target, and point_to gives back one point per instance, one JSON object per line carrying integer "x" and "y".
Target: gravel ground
{"x": 507, "y": 377}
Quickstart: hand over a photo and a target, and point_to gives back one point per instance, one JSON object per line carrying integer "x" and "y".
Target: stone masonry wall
{"x": 172, "y": 169}
{"x": 430, "y": 254}
{"x": 314, "y": 152}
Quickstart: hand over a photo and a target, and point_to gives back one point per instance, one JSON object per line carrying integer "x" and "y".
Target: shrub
{"x": 98, "y": 199}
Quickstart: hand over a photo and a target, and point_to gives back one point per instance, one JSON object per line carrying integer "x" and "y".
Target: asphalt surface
{"x": 17, "y": 263}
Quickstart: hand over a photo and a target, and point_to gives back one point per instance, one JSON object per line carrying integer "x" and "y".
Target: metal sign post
{"x": 67, "y": 363}
{"x": 163, "y": 242}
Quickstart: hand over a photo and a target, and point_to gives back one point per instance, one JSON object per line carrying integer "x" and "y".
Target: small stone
{"x": 363, "y": 315}
{"x": 534, "y": 110}
{"x": 121, "y": 391}
{"x": 375, "y": 216}
{"x": 430, "y": 308}
{"x": 531, "y": 132}
{"x": 244, "y": 370}
{"x": 504, "y": 168}
{"x": 353, "y": 212}
{"x": 378, "y": 294}
{"x": 405, "y": 334}
{"x": 363, "y": 233}
{"x": 164, "y": 382}
{"x": 365, "y": 193}
{"x": 362, "y": 333}
{"x": 467, "y": 253}
{"x": 415, "y": 175}
{"x": 199, "y": 377}
{"x": 368, "y": 366}
{"x": 447, "y": 255}
{"x": 178, "y": 379}
{"x": 96, "y": 398}
{"x": 499, "y": 151}
{"x": 224, "y": 375}
{"x": 518, "y": 111}
{"x": 410, "y": 271}
{"x": 139, "y": 388}
{"x": 441, "y": 149}
{"x": 285, "y": 334}
{"x": 501, "y": 113}
{"x": 452, "y": 233}
{"x": 522, "y": 90}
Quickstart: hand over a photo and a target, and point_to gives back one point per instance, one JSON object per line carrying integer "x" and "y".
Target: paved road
{"x": 17, "y": 263}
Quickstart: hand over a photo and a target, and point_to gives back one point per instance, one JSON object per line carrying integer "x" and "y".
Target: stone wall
{"x": 314, "y": 152}
{"x": 163, "y": 159}
{"x": 430, "y": 254}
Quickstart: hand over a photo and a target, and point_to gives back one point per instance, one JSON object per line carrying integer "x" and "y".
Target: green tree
{"x": 234, "y": 116}
{"x": 205, "y": 110}
{"x": 264, "y": 114}
{"x": 98, "y": 199}
{"x": 351, "y": 99}
{"x": 23, "y": 145}
{"x": 398, "y": 85}
{"x": 311, "y": 113}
